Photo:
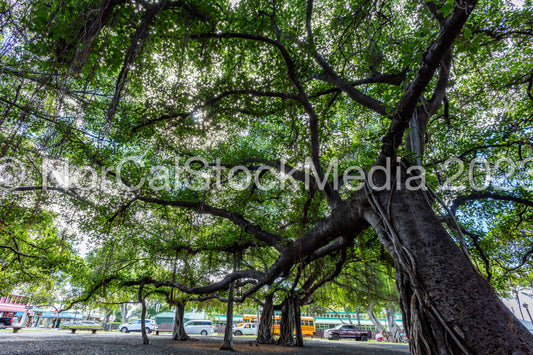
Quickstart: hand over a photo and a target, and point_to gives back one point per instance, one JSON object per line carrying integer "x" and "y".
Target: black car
{"x": 6, "y": 322}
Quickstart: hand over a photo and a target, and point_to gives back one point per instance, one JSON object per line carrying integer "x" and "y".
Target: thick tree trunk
{"x": 286, "y": 327}
{"x": 264, "y": 332}
{"x": 299, "y": 341}
{"x": 178, "y": 331}
{"x": 394, "y": 329}
{"x": 143, "y": 316}
{"x": 447, "y": 306}
{"x": 358, "y": 318}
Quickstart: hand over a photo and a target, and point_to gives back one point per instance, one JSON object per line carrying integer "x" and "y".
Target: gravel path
{"x": 58, "y": 342}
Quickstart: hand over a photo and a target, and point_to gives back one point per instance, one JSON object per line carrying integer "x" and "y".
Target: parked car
{"x": 347, "y": 331}
{"x": 135, "y": 326}
{"x": 6, "y": 322}
{"x": 203, "y": 327}
{"x": 379, "y": 337}
{"x": 245, "y": 328}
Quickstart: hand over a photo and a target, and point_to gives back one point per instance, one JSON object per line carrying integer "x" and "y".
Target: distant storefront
{"x": 50, "y": 319}
{"x": 15, "y": 306}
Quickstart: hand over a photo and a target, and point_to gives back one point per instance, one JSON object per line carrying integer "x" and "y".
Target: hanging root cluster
{"x": 420, "y": 315}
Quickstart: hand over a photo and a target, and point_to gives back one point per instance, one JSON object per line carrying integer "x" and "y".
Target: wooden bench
{"x": 164, "y": 327}
{"x": 73, "y": 329}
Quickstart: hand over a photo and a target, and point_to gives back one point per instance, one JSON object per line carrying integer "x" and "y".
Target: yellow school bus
{"x": 308, "y": 324}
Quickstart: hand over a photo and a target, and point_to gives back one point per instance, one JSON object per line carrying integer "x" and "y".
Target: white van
{"x": 245, "y": 329}
{"x": 203, "y": 327}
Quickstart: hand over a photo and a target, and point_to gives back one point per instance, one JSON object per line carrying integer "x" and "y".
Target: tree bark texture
{"x": 447, "y": 306}
{"x": 299, "y": 341}
{"x": 264, "y": 332}
{"x": 178, "y": 330}
{"x": 286, "y": 327}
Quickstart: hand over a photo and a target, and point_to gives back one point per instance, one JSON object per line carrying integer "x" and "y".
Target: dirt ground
{"x": 29, "y": 342}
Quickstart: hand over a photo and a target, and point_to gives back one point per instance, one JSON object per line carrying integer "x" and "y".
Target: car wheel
{"x": 364, "y": 338}
{"x": 203, "y": 332}
{"x": 336, "y": 337}
{"x": 148, "y": 330}
{"x": 124, "y": 330}
{"x": 238, "y": 333}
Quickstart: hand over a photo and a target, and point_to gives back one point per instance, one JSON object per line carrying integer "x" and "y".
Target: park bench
{"x": 164, "y": 327}
{"x": 73, "y": 329}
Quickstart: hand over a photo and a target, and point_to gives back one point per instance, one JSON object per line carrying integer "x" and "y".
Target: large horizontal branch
{"x": 338, "y": 244}
{"x": 214, "y": 100}
{"x": 216, "y": 286}
{"x": 376, "y": 78}
{"x": 500, "y": 33}
{"x": 19, "y": 253}
{"x": 485, "y": 196}
{"x": 480, "y": 147}
{"x": 343, "y": 221}
{"x": 236, "y": 218}
{"x": 349, "y": 89}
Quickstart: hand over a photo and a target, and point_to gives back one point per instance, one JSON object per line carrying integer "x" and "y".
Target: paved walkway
{"x": 59, "y": 342}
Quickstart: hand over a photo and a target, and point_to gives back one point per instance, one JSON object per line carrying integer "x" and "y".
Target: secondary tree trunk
{"x": 376, "y": 322}
{"x": 178, "y": 331}
{"x": 447, "y": 306}
{"x": 394, "y": 329}
{"x": 264, "y": 332}
{"x": 124, "y": 312}
{"x": 106, "y": 321}
{"x": 299, "y": 341}
{"x": 228, "y": 332}
{"x": 286, "y": 327}
{"x": 143, "y": 316}
{"x": 348, "y": 315}
{"x": 358, "y": 318}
